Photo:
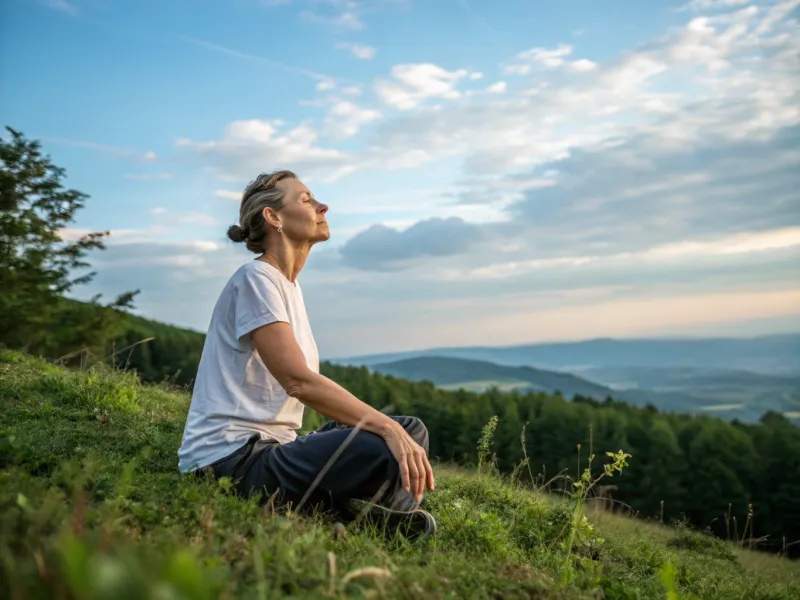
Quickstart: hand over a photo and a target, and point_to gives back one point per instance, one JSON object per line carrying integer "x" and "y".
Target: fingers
{"x": 422, "y": 473}
{"x": 429, "y": 471}
{"x": 404, "y": 472}
{"x": 415, "y": 475}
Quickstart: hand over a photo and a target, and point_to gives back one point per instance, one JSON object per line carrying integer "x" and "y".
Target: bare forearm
{"x": 333, "y": 401}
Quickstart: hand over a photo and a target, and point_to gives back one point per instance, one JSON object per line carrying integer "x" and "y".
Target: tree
{"x": 37, "y": 266}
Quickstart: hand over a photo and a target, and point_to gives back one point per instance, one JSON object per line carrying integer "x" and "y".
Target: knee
{"x": 417, "y": 430}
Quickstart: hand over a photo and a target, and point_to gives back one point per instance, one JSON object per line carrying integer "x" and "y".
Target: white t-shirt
{"x": 235, "y": 396}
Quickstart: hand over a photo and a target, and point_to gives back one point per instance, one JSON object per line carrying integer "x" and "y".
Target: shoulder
{"x": 254, "y": 270}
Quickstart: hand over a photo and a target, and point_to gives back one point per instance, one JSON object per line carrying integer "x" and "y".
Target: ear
{"x": 271, "y": 217}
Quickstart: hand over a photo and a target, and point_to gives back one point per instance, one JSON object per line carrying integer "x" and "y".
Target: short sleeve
{"x": 258, "y": 302}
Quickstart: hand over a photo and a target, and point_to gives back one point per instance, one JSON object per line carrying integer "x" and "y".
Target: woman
{"x": 259, "y": 368}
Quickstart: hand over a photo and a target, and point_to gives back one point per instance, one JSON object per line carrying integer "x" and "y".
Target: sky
{"x": 497, "y": 173}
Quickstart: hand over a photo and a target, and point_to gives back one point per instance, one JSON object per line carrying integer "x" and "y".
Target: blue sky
{"x": 497, "y": 172}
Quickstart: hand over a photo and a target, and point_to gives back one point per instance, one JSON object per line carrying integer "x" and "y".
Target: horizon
{"x": 506, "y": 173}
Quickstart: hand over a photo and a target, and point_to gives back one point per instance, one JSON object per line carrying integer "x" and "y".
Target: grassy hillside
{"x": 91, "y": 506}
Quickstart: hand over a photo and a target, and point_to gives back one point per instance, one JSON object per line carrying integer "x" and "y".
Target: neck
{"x": 288, "y": 257}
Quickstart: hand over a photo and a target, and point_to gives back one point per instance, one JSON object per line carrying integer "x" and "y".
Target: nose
{"x": 322, "y": 208}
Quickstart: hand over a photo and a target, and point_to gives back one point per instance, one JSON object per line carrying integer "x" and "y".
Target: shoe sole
{"x": 412, "y": 524}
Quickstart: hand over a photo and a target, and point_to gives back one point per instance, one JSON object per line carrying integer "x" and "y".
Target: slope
{"x": 92, "y": 507}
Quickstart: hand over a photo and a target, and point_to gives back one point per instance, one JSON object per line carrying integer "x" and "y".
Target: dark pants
{"x": 363, "y": 469}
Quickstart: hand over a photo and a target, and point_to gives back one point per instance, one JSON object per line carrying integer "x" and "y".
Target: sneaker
{"x": 412, "y": 524}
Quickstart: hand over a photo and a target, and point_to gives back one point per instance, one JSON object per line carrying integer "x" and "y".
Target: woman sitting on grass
{"x": 260, "y": 366}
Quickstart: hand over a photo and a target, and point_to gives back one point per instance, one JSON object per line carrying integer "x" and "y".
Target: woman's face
{"x": 302, "y": 217}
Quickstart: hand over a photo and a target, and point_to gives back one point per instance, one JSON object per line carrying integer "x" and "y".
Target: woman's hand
{"x": 415, "y": 471}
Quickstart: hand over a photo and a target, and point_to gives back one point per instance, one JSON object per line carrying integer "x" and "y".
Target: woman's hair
{"x": 263, "y": 192}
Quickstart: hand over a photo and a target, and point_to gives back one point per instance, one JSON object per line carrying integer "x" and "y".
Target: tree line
{"x": 738, "y": 480}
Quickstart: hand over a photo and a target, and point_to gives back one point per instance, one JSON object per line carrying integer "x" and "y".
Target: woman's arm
{"x": 278, "y": 349}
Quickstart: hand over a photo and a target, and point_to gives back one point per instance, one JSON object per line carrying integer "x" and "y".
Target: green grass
{"x": 91, "y": 506}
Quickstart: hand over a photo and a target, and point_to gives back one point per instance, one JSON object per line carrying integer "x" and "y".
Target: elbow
{"x": 299, "y": 385}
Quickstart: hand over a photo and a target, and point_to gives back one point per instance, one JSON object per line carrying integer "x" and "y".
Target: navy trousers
{"x": 363, "y": 468}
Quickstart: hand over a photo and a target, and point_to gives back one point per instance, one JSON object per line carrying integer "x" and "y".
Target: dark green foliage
{"x": 37, "y": 266}
{"x": 696, "y": 465}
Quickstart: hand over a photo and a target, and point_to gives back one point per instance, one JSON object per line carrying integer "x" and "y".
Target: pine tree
{"x": 37, "y": 266}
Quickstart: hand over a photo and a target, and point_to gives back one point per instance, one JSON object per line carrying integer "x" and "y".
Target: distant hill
{"x": 769, "y": 355}
{"x": 476, "y": 375}
{"x": 731, "y": 395}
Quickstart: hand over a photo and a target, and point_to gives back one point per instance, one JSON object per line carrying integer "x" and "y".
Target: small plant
{"x": 581, "y": 531}
{"x": 487, "y": 434}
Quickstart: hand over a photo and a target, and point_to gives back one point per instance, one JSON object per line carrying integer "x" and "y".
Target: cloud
{"x": 697, "y": 5}
{"x": 253, "y": 58}
{"x": 412, "y": 84}
{"x": 497, "y": 88}
{"x": 347, "y": 20}
{"x": 252, "y": 146}
{"x": 61, "y": 6}
{"x": 116, "y": 151}
{"x": 550, "y": 59}
{"x": 228, "y": 195}
{"x": 159, "y": 210}
{"x": 384, "y": 248}
{"x": 148, "y": 157}
{"x": 358, "y": 50}
{"x": 345, "y": 119}
{"x": 195, "y": 218}
{"x": 517, "y": 69}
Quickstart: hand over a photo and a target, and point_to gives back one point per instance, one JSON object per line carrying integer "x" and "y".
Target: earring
{"x": 280, "y": 228}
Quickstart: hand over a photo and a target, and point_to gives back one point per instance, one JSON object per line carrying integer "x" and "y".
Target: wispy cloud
{"x": 117, "y": 151}
{"x": 256, "y": 59}
{"x": 61, "y": 6}
{"x": 696, "y": 5}
{"x": 358, "y": 50}
{"x": 228, "y": 194}
{"x": 346, "y": 20}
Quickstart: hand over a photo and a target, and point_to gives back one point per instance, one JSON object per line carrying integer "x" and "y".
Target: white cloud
{"x": 412, "y": 84}
{"x": 517, "y": 69}
{"x": 498, "y": 87}
{"x": 195, "y": 218}
{"x": 148, "y": 156}
{"x": 697, "y": 5}
{"x": 346, "y": 20}
{"x": 254, "y": 145}
{"x": 159, "y": 210}
{"x": 741, "y": 243}
{"x": 582, "y": 65}
{"x": 358, "y": 50}
{"x": 548, "y": 58}
{"x": 325, "y": 85}
{"x": 345, "y": 119}
{"x": 476, "y": 75}
{"x": 228, "y": 195}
